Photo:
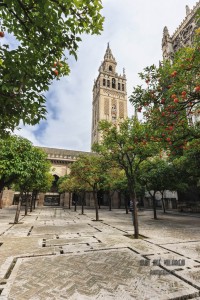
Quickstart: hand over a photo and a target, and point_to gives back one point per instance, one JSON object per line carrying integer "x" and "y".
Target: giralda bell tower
{"x": 109, "y": 95}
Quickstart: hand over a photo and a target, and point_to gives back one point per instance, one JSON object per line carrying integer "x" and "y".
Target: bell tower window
{"x": 108, "y": 83}
{"x": 113, "y": 83}
{"x": 104, "y": 82}
{"x": 118, "y": 86}
{"x": 122, "y": 87}
{"x": 110, "y": 68}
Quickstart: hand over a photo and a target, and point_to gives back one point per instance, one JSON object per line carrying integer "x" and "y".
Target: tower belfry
{"x": 109, "y": 94}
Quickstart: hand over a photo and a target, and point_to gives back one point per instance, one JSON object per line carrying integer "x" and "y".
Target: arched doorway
{"x": 52, "y": 198}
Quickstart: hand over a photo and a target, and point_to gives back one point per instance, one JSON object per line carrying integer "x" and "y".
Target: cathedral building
{"x": 109, "y": 103}
{"x": 109, "y": 95}
{"x": 183, "y": 35}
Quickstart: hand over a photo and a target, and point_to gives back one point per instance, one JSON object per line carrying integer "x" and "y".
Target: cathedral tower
{"x": 109, "y": 94}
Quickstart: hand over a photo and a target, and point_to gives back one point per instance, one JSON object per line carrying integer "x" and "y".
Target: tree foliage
{"x": 91, "y": 171}
{"x": 36, "y": 174}
{"x": 21, "y": 163}
{"x": 42, "y": 32}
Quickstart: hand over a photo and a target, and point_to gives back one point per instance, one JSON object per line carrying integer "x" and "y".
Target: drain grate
{"x": 44, "y": 243}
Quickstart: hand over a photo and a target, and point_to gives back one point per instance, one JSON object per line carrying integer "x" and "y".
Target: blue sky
{"x": 134, "y": 30}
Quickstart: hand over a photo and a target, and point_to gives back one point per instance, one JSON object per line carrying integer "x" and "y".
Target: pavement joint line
{"x": 125, "y": 231}
{"x": 172, "y": 251}
{"x": 10, "y": 269}
{"x": 30, "y": 231}
{"x": 133, "y": 250}
{"x": 172, "y": 272}
{"x": 7, "y": 229}
{"x": 94, "y": 227}
{"x": 176, "y": 252}
{"x": 109, "y": 249}
{"x": 185, "y": 242}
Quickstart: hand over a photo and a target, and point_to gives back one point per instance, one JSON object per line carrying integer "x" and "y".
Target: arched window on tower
{"x": 118, "y": 86}
{"x": 114, "y": 112}
{"x": 122, "y": 87}
{"x": 110, "y": 68}
{"x": 108, "y": 83}
{"x": 104, "y": 82}
{"x": 113, "y": 83}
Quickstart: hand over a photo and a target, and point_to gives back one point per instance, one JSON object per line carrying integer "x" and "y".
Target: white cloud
{"x": 134, "y": 30}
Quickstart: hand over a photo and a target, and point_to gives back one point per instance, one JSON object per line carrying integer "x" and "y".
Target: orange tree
{"x": 90, "y": 170}
{"x": 188, "y": 166}
{"x": 115, "y": 182}
{"x": 158, "y": 175}
{"x": 34, "y": 175}
{"x": 72, "y": 184}
{"x": 36, "y": 37}
{"x": 127, "y": 144}
{"x": 170, "y": 101}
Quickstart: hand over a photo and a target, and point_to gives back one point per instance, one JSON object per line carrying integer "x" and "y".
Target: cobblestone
{"x": 57, "y": 253}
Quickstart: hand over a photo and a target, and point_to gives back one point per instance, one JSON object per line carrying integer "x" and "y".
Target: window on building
{"x": 110, "y": 68}
{"x": 113, "y": 83}
{"x": 118, "y": 86}
{"x": 104, "y": 82}
{"x": 108, "y": 83}
{"x": 122, "y": 87}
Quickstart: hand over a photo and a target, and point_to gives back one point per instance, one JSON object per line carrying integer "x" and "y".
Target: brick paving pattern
{"x": 57, "y": 253}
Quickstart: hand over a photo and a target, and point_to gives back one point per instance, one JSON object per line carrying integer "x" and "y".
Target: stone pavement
{"x": 56, "y": 253}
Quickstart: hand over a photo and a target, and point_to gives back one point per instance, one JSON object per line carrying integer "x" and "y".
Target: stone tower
{"x": 109, "y": 95}
{"x": 183, "y": 36}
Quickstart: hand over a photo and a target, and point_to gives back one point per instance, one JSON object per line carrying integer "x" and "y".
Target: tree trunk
{"x": 154, "y": 206}
{"x": 98, "y": 201}
{"x": 1, "y": 195}
{"x": 119, "y": 199}
{"x": 110, "y": 201}
{"x": 18, "y": 209}
{"x": 126, "y": 204}
{"x": 26, "y": 204}
{"x": 31, "y": 202}
{"x": 135, "y": 215}
{"x": 96, "y": 205}
{"x": 75, "y": 205}
{"x": 70, "y": 196}
{"x": 82, "y": 204}
{"x": 163, "y": 203}
{"x": 35, "y": 198}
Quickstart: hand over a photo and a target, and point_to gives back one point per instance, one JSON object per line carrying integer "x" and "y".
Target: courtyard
{"x": 56, "y": 253}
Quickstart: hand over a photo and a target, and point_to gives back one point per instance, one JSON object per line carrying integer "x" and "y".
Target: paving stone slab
{"x": 192, "y": 276}
{"x": 53, "y": 245}
{"x": 73, "y": 240}
{"x": 95, "y": 275}
{"x": 62, "y": 229}
{"x": 192, "y": 249}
